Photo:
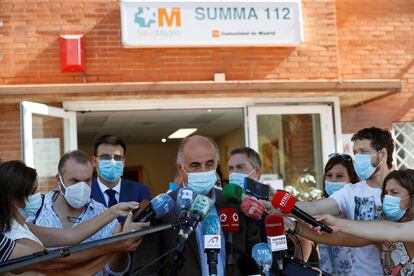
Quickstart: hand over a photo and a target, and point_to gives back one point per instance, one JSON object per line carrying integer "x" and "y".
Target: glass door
{"x": 47, "y": 133}
{"x": 294, "y": 142}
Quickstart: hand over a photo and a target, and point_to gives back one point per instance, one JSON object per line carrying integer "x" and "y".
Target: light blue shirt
{"x": 49, "y": 218}
{"x": 200, "y": 241}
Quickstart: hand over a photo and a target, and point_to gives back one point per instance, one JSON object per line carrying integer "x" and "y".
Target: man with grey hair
{"x": 243, "y": 162}
{"x": 70, "y": 204}
{"x": 197, "y": 161}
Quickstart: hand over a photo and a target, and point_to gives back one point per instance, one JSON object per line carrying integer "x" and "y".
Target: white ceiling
{"x": 150, "y": 126}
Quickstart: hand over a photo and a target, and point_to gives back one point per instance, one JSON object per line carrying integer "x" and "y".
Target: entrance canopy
{"x": 350, "y": 92}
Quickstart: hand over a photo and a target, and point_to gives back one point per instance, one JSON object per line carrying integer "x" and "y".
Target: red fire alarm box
{"x": 72, "y": 53}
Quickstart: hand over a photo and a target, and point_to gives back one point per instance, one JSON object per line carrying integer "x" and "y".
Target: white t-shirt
{"x": 18, "y": 231}
{"x": 361, "y": 202}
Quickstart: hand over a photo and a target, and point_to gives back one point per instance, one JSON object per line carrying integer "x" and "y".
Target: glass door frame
{"x": 69, "y": 127}
{"x": 326, "y": 123}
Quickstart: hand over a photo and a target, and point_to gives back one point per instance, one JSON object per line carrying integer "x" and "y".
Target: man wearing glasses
{"x": 109, "y": 160}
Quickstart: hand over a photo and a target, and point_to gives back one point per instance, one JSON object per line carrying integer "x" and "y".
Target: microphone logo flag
{"x": 235, "y": 217}
{"x": 223, "y": 217}
{"x": 212, "y": 241}
{"x": 277, "y": 243}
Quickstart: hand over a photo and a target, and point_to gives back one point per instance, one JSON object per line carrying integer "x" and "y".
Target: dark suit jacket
{"x": 157, "y": 244}
{"x": 130, "y": 191}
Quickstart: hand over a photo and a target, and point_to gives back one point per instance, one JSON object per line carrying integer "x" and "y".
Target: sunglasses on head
{"x": 344, "y": 156}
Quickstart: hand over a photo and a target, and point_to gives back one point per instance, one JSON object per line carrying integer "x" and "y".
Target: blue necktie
{"x": 112, "y": 200}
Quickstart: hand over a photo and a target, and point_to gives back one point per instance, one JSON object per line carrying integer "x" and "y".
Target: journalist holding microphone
{"x": 197, "y": 161}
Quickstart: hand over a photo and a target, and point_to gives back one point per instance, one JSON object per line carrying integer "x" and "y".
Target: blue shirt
{"x": 200, "y": 242}
{"x": 49, "y": 218}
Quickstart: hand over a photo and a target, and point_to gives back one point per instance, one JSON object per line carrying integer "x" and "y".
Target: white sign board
{"x": 211, "y": 23}
{"x": 46, "y": 155}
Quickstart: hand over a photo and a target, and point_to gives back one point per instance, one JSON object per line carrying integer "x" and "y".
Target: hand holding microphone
{"x": 159, "y": 206}
{"x": 285, "y": 203}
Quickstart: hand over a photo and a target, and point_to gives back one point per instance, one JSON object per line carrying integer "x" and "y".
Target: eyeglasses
{"x": 344, "y": 156}
{"x": 109, "y": 157}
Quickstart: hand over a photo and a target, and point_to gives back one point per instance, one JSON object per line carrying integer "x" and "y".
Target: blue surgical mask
{"x": 363, "y": 166}
{"x": 391, "y": 207}
{"x": 110, "y": 170}
{"x": 33, "y": 204}
{"x": 332, "y": 187}
{"x": 238, "y": 178}
{"x": 201, "y": 182}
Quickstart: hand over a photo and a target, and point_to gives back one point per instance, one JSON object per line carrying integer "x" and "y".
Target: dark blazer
{"x": 153, "y": 246}
{"x": 130, "y": 191}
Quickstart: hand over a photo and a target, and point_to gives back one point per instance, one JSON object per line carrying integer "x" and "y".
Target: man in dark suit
{"x": 109, "y": 160}
{"x": 197, "y": 160}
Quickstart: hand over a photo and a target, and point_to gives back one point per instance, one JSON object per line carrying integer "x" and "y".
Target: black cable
{"x": 156, "y": 260}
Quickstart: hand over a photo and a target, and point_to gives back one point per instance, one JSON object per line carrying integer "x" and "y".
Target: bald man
{"x": 197, "y": 161}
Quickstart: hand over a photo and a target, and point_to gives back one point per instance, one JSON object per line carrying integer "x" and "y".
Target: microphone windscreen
{"x": 211, "y": 225}
{"x": 252, "y": 208}
{"x": 229, "y": 220}
{"x": 233, "y": 193}
{"x": 283, "y": 201}
{"x": 162, "y": 204}
{"x": 262, "y": 254}
{"x": 201, "y": 206}
{"x": 185, "y": 197}
{"x": 274, "y": 225}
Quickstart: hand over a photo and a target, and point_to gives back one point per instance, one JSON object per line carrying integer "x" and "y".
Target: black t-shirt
{"x": 6, "y": 247}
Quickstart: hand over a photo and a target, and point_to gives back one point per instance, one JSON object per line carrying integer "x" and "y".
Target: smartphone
{"x": 256, "y": 189}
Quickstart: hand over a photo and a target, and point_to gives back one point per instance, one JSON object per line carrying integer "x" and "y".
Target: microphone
{"x": 252, "y": 208}
{"x": 275, "y": 229}
{"x": 230, "y": 222}
{"x": 185, "y": 198}
{"x": 159, "y": 206}
{"x": 198, "y": 211}
{"x": 212, "y": 242}
{"x": 285, "y": 202}
{"x": 261, "y": 253}
{"x": 229, "y": 219}
{"x": 233, "y": 193}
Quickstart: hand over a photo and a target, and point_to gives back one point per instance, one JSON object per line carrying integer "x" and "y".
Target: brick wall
{"x": 30, "y": 48}
{"x": 376, "y": 40}
{"x": 10, "y": 136}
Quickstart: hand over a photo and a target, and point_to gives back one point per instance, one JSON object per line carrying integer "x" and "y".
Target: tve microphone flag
{"x": 262, "y": 254}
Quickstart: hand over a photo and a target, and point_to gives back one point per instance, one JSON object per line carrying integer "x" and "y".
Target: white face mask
{"x": 76, "y": 195}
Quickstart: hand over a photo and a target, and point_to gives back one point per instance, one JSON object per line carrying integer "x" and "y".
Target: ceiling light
{"x": 163, "y": 140}
{"x": 182, "y": 133}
